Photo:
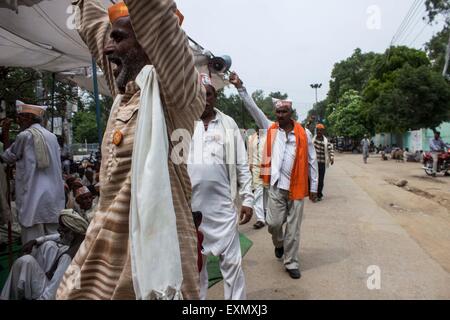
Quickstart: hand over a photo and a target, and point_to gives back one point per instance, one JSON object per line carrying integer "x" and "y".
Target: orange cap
{"x": 120, "y": 10}
{"x": 180, "y": 17}
{"x": 320, "y": 126}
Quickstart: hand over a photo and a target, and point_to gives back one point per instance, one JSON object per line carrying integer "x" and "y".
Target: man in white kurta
{"x": 284, "y": 159}
{"x": 218, "y": 170}
{"x": 36, "y": 276}
{"x": 39, "y": 184}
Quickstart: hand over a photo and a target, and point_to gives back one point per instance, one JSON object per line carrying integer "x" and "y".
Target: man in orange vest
{"x": 289, "y": 158}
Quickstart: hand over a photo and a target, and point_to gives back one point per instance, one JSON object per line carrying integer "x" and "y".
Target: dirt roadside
{"x": 421, "y": 207}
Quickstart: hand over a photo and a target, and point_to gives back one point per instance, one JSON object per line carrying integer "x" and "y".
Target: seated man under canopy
{"x": 37, "y": 274}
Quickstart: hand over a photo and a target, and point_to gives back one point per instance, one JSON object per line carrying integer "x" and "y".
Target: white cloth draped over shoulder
{"x": 155, "y": 251}
{"x": 40, "y": 149}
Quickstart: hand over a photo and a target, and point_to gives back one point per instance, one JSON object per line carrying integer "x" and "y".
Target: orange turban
{"x": 320, "y": 126}
{"x": 120, "y": 10}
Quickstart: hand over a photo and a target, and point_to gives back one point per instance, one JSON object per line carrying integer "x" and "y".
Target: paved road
{"x": 341, "y": 238}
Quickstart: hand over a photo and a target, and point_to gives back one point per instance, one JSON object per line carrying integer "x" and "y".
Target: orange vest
{"x": 300, "y": 174}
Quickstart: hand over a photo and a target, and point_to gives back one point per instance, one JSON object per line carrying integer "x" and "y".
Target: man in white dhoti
{"x": 39, "y": 185}
{"x": 219, "y": 171}
{"x": 36, "y": 276}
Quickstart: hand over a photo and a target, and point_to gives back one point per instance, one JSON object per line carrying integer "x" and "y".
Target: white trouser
{"x": 230, "y": 262}
{"x": 38, "y": 230}
{"x": 435, "y": 156}
{"x": 259, "y": 204}
{"x": 281, "y": 210}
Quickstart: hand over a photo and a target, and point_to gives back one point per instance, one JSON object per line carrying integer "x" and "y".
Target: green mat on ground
{"x": 214, "y": 274}
{"x": 4, "y": 261}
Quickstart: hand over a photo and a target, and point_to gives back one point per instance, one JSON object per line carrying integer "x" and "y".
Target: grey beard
{"x": 130, "y": 71}
{"x": 125, "y": 76}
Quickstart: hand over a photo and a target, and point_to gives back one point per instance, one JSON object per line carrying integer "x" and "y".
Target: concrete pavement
{"x": 342, "y": 238}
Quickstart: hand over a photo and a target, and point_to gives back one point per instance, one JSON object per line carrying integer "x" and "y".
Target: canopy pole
{"x": 97, "y": 100}
{"x": 53, "y": 101}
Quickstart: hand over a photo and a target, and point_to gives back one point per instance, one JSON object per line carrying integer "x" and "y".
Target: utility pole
{"x": 53, "y": 101}
{"x": 316, "y": 86}
{"x": 447, "y": 53}
{"x": 447, "y": 59}
{"x": 97, "y": 101}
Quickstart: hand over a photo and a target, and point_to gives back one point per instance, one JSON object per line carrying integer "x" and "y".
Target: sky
{"x": 286, "y": 45}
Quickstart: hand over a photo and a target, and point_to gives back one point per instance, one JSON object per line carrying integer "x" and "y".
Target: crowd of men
{"x": 48, "y": 204}
{"x": 95, "y": 233}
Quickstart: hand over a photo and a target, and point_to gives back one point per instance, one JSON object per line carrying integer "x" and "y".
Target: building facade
{"x": 417, "y": 140}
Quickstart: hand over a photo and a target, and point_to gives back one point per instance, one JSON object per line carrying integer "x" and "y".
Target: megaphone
{"x": 220, "y": 64}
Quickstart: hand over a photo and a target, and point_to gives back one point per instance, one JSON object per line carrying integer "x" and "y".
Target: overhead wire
{"x": 409, "y": 31}
{"x": 406, "y": 20}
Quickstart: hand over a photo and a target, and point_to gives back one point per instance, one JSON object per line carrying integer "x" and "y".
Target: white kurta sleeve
{"x": 53, "y": 284}
{"x": 51, "y": 237}
{"x": 15, "y": 151}
{"x": 244, "y": 176}
{"x": 260, "y": 118}
{"x": 312, "y": 160}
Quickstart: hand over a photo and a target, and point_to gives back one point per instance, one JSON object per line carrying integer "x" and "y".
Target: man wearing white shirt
{"x": 289, "y": 159}
{"x": 36, "y": 275}
{"x": 39, "y": 184}
{"x": 219, "y": 173}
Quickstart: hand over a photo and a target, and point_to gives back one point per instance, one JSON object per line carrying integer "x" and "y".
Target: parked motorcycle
{"x": 443, "y": 162}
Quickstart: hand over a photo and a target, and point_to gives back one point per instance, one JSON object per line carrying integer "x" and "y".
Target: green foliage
{"x": 233, "y": 106}
{"x": 348, "y": 116}
{"x": 436, "y": 8}
{"x": 411, "y": 98}
{"x": 85, "y": 127}
{"x": 20, "y": 84}
{"x": 351, "y": 74}
{"x": 396, "y": 91}
{"x": 17, "y": 84}
{"x": 436, "y": 49}
{"x": 395, "y": 58}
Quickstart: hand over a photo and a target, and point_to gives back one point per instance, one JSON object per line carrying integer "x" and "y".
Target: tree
{"x": 411, "y": 98}
{"x": 348, "y": 116}
{"x": 351, "y": 74}
{"x": 436, "y": 8}
{"x": 16, "y": 84}
{"x": 436, "y": 49}
{"x": 405, "y": 93}
{"x": 21, "y": 84}
{"x": 440, "y": 56}
{"x": 88, "y": 131}
{"x": 395, "y": 58}
{"x": 85, "y": 127}
{"x": 233, "y": 106}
